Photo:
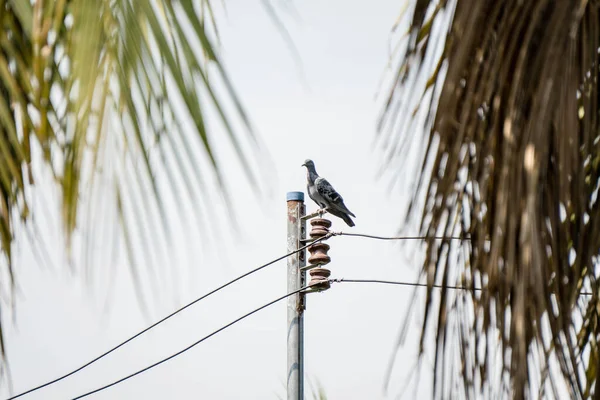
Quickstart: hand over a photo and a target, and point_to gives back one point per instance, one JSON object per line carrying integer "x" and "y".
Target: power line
{"x": 342, "y": 280}
{"x": 190, "y": 346}
{"x": 330, "y": 234}
{"x": 418, "y": 284}
{"x": 339, "y": 280}
{"x": 164, "y": 319}
{"x": 400, "y": 237}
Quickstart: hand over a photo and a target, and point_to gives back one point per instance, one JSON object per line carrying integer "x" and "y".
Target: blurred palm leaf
{"x": 112, "y": 97}
{"x": 512, "y": 160}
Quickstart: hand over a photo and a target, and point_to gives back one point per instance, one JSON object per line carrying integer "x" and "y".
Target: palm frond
{"x": 113, "y": 97}
{"x": 511, "y": 159}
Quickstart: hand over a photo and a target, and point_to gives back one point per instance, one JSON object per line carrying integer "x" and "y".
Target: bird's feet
{"x": 321, "y": 211}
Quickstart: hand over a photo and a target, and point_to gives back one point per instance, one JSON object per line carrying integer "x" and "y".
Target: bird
{"x": 326, "y": 197}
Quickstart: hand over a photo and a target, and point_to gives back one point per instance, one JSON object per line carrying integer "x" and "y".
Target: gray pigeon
{"x": 325, "y": 195}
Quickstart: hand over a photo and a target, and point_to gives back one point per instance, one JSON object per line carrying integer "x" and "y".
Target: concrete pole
{"x": 296, "y": 231}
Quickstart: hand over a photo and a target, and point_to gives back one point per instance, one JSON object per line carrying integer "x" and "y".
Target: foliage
{"x": 117, "y": 89}
{"x": 512, "y": 162}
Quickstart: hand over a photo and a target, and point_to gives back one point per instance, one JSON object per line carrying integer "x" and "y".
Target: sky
{"x": 319, "y": 102}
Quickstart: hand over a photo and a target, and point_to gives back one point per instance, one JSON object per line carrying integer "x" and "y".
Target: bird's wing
{"x": 331, "y": 196}
{"x": 314, "y": 195}
{"x": 326, "y": 191}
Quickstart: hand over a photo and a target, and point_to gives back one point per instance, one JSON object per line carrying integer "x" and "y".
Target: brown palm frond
{"x": 512, "y": 160}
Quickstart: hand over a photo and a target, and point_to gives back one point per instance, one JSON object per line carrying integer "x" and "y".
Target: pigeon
{"x": 325, "y": 195}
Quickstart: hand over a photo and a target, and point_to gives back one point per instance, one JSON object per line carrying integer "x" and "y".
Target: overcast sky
{"x": 323, "y": 108}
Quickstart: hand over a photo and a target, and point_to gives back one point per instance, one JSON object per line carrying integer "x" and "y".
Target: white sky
{"x": 323, "y": 109}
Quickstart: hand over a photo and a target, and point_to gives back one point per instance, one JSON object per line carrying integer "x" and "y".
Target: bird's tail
{"x": 348, "y": 220}
{"x": 345, "y": 209}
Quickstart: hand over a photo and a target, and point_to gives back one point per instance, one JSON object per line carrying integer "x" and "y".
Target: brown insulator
{"x": 318, "y": 254}
{"x": 320, "y": 227}
{"x": 319, "y": 279}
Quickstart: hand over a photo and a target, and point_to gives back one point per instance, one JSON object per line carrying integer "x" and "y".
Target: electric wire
{"x": 190, "y": 346}
{"x": 339, "y": 280}
{"x": 418, "y": 284}
{"x": 400, "y": 237}
{"x": 330, "y": 234}
{"x": 140, "y": 333}
{"x": 342, "y": 280}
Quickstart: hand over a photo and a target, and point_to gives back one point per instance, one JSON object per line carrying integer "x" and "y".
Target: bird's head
{"x": 308, "y": 164}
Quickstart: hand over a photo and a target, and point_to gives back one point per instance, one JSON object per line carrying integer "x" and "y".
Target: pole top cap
{"x": 295, "y": 196}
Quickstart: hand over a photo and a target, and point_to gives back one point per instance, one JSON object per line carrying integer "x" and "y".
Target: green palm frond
{"x": 317, "y": 391}
{"x": 511, "y": 160}
{"x": 113, "y": 97}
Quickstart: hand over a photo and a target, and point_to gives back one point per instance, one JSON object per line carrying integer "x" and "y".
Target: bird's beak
{"x": 303, "y": 165}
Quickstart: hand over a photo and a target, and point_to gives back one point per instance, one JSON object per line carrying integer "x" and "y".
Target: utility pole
{"x": 296, "y": 232}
